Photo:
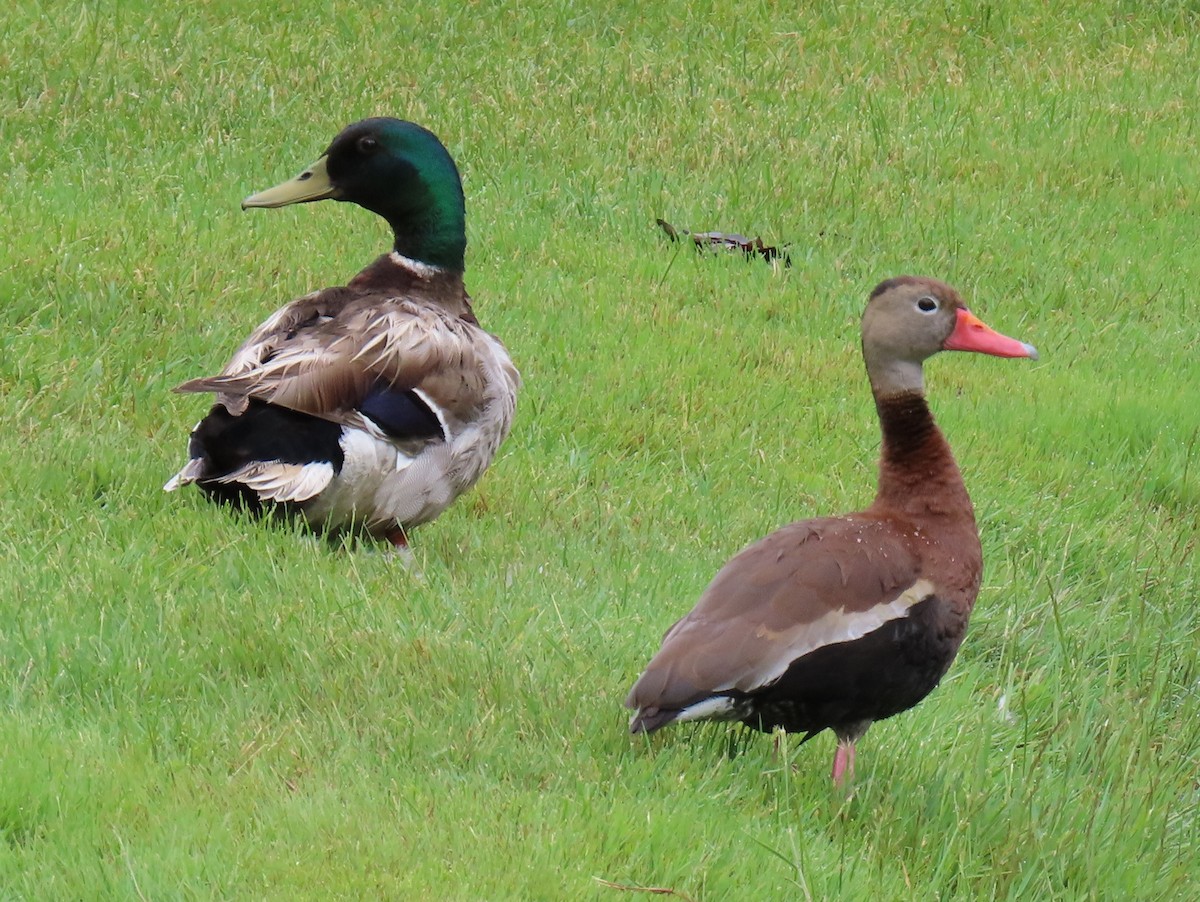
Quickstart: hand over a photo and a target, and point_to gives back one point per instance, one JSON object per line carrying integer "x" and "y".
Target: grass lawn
{"x": 197, "y": 705}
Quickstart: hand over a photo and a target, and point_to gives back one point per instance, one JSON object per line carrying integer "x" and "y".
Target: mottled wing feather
{"x": 275, "y": 481}
{"x": 323, "y": 353}
{"x": 804, "y": 586}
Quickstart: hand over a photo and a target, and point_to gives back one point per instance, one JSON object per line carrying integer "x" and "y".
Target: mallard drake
{"x": 836, "y": 622}
{"x": 373, "y": 404}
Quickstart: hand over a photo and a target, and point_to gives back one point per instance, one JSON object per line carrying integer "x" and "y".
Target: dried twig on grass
{"x": 654, "y": 890}
{"x": 727, "y": 241}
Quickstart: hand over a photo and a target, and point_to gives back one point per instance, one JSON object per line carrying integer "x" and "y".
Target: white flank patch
{"x": 369, "y": 461}
{"x": 424, "y": 270}
{"x": 275, "y": 481}
{"x": 368, "y": 455}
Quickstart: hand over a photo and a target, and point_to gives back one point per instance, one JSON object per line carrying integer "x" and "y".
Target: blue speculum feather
{"x": 401, "y": 414}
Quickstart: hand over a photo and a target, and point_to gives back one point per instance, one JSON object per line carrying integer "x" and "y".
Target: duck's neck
{"x": 917, "y": 472}
{"x": 429, "y": 218}
{"x": 404, "y": 277}
{"x": 438, "y": 239}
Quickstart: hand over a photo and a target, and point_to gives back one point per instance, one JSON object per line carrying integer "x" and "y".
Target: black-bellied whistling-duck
{"x": 837, "y": 622}
{"x": 376, "y": 403}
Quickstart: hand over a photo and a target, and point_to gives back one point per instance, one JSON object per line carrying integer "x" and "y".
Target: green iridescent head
{"x": 396, "y": 169}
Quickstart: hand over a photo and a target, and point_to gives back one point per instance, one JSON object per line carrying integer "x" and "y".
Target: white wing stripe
{"x": 718, "y": 707}
{"x": 833, "y": 627}
{"x": 437, "y": 412}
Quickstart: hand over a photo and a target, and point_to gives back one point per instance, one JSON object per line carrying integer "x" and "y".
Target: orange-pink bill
{"x": 972, "y": 334}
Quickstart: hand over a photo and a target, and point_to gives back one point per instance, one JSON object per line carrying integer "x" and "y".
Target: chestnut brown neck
{"x": 917, "y": 472}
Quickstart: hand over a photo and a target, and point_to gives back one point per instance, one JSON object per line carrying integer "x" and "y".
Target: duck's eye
{"x": 927, "y": 304}
{"x": 367, "y": 144}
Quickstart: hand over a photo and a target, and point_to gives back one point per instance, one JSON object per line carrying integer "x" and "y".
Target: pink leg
{"x": 843, "y": 763}
{"x": 401, "y": 551}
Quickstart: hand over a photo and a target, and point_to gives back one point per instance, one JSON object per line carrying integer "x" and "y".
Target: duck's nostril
{"x": 304, "y": 176}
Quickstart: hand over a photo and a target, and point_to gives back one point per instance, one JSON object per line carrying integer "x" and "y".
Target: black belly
{"x": 866, "y": 679}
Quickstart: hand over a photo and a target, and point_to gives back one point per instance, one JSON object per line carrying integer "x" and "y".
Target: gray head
{"x": 909, "y": 319}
